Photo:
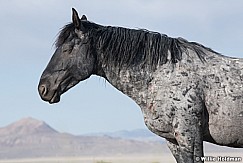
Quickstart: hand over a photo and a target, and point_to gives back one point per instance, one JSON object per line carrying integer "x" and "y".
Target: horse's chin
{"x": 63, "y": 88}
{"x": 55, "y": 98}
{"x": 53, "y": 95}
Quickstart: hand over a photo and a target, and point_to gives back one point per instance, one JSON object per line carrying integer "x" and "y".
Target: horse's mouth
{"x": 53, "y": 94}
{"x": 55, "y": 98}
{"x": 64, "y": 86}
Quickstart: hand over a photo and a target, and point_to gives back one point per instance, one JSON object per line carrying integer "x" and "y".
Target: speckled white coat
{"x": 189, "y": 102}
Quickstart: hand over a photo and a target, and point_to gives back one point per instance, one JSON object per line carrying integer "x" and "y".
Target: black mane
{"x": 122, "y": 47}
{"x": 128, "y": 47}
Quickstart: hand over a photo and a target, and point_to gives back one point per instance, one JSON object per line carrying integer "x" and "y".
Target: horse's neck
{"x": 132, "y": 82}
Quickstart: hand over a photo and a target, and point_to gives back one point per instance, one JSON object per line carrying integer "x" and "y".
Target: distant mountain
{"x": 29, "y": 138}
{"x": 138, "y": 134}
{"x": 27, "y": 126}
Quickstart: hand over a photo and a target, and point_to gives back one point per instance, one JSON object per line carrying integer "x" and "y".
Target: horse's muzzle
{"x": 48, "y": 95}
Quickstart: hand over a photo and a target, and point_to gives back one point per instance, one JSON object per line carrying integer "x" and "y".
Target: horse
{"x": 187, "y": 92}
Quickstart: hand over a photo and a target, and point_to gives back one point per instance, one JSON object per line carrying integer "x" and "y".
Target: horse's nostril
{"x": 43, "y": 90}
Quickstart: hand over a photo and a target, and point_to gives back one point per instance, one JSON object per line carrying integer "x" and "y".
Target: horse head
{"x": 73, "y": 60}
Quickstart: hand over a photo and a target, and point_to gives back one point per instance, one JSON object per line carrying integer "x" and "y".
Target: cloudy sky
{"x": 28, "y": 30}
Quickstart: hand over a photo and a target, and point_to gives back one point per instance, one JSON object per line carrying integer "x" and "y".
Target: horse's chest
{"x": 160, "y": 124}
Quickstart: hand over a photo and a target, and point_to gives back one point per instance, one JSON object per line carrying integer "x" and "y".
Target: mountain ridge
{"x": 137, "y": 134}
{"x": 27, "y": 126}
{"x": 31, "y": 138}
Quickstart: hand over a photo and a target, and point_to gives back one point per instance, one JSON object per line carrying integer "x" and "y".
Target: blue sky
{"x": 29, "y": 28}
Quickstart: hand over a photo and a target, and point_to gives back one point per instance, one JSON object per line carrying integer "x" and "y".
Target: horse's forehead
{"x": 80, "y": 34}
{"x": 64, "y": 34}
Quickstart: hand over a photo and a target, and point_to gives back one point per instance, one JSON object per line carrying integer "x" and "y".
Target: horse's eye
{"x": 67, "y": 48}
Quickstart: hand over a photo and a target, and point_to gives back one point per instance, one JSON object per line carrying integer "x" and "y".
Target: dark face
{"x": 72, "y": 62}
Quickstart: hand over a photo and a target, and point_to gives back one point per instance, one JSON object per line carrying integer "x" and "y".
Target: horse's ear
{"x": 75, "y": 18}
{"x": 84, "y": 17}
